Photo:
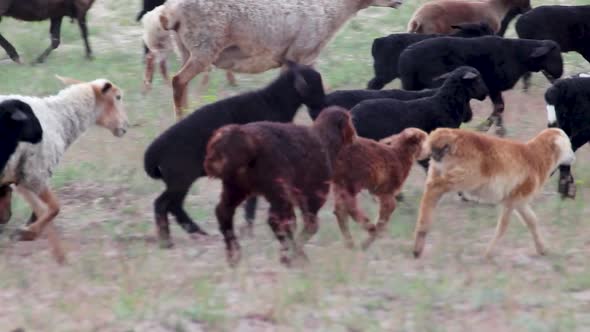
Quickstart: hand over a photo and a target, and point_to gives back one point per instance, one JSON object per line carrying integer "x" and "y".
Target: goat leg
{"x": 250, "y": 214}
{"x": 84, "y": 33}
{"x": 46, "y": 206}
{"x": 387, "y": 206}
{"x": 567, "y": 185}
{"x": 54, "y": 30}
{"x": 12, "y": 53}
{"x": 225, "y": 210}
{"x": 498, "y": 102}
{"x": 526, "y": 81}
{"x": 341, "y": 213}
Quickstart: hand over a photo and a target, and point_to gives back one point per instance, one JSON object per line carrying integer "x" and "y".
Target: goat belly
{"x": 494, "y": 191}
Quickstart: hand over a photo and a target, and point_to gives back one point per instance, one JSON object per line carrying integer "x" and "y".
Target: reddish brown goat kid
{"x": 382, "y": 169}
{"x": 289, "y": 165}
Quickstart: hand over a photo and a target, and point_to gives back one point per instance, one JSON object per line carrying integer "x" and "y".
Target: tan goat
{"x": 492, "y": 170}
{"x": 439, "y": 16}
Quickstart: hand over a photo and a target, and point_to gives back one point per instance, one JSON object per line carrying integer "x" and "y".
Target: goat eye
{"x": 118, "y": 97}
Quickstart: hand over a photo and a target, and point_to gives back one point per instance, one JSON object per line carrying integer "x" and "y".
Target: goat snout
{"x": 119, "y": 132}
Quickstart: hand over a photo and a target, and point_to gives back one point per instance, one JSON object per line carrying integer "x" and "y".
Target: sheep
{"x": 348, "y": 99}
{"x": 176, "y": 156}
{"x": 253, "y": 37}
{"x": 493, "y": 170}
{"x": 18, "y": 123}
{"x": 382, "y": 168}
{"x": 158, "y": 44}
{"x": 273, "y": 160}
{"x": 386, "y": 50}
{"x": 439, "y": 16}
{"x": 570, "y": 26}
{"x": 55, "y": 11}
{"x": 500, "y": 61}
{"x": 568, "y": 101}
{"x": 449, "y": 107}
{"x": 63, "y": 118}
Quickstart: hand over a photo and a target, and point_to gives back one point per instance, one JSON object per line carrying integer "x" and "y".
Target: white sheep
{"x": 159, "y": 44}
{"x": 63, "y": 117}
{"x": 253, "y": 36}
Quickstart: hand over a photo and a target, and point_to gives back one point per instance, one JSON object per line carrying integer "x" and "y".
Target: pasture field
{"x": 117, "y": 278}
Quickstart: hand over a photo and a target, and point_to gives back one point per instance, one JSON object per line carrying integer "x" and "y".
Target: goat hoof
{"x": 350, "y": 245}
{"x": 166, "y": 244}
{"x": 367, "y": 243}
{"x": 233, "y": 258}
{"x": 247, "y": 230}
{"x": 286, "y": 261}
{"x": 501, "y": 131}
{"x": 89, "y": 57}
{"x": 23, "y": 234}
{"x": 417, "y": 254}
{"x": 484, "y": 126}
{"x": 567, "y": 187}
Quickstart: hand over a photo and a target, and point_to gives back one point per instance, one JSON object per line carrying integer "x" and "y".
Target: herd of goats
{"x": 366, "y": 139}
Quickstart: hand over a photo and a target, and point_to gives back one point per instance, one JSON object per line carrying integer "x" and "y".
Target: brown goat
{"x": 492, "y": 170}
{"x": 289, "y": 165}
{"x": 40, "y": 10}
{"x": 381, "y": 168}
{"x": 439, "y": 16}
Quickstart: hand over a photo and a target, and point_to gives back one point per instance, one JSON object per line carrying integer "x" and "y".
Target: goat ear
{"x": 541, "y": 51}
{"x": 18, "y": 115}
{"x": 107, "y": 86}
{"x": 470, "y": 75}
{"x": 67, "y": 80}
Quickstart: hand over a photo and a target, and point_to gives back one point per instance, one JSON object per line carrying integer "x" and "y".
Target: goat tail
{"x": 151, "y": 165}
{"x": 414, "y": 26}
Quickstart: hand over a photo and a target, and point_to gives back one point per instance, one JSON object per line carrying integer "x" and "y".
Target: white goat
{"x": 63, "y": 117}
{"x": 253, "y": 36}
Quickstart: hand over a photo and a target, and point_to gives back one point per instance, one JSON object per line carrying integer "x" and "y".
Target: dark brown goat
{"x": 289, "y": 165}
{"x": 382, "y": 169}
{"x": 40, "y": 10}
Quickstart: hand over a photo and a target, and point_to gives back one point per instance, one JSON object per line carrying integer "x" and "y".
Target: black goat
{"x": 501, "y": 62}
{"x": 55, "y": 11}
{"x": 568, "y": 107}
{"x": 348, "y": 99}
{"x": 177, "y": 155}
{"x": 18, "y": 123}
{"x": 569, "y": 27}
{"x": 386, "y": 50}
{"x": 381, "y": 118}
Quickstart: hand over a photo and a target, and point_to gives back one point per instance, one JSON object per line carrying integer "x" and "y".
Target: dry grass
{"x": 118, "y": 280}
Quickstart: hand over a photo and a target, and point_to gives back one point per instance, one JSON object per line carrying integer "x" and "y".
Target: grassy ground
{"x": 117, "y": 279}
